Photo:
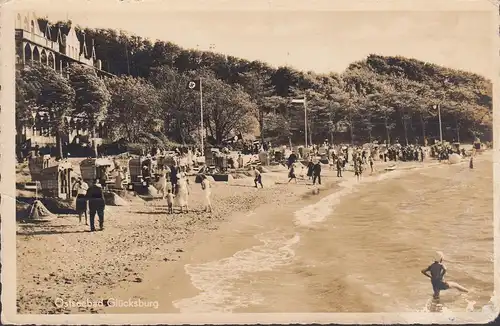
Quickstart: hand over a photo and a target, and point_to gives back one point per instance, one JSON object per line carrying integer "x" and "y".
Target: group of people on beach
{"x": 337, "y": 158}
{"x": 90, "y": 200}
{"x": 174, "y": 186}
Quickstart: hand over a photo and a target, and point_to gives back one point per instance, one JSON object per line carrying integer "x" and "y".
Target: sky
{"x": 320, "y": 36}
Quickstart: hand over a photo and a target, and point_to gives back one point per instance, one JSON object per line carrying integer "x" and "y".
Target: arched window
{"x": 36, "y": 54}
{"x": 43, "y": 57}
{"x": 52, "y": 62}
{"x": 28, "y": 55}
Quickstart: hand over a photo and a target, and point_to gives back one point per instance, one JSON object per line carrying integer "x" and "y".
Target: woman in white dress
{"x": 182, "y": 196}
{"x": 205, "y": 186}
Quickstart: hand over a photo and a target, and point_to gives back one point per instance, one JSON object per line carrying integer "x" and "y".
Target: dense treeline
{"x": 383, "y": 98}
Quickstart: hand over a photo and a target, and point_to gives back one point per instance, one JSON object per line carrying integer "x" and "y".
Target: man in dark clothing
{"x": 292, "y": 159}
{"x": 95, "y": 196}
{"x": 339, "y": 167}
{"x": 174, "y": 170}
{"x": 146, "y": 173}
{"x": 317, "y": 173}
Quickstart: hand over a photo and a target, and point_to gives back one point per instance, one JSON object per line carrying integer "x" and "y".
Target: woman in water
{"x": 436, "y": 272}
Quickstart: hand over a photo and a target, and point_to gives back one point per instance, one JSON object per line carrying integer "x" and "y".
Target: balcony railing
{"x": 39, "y": 40}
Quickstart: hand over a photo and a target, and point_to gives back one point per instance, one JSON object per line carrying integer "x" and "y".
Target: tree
{"x": 91, "y": 95}
{"x": 228, "y": 109}
{"x": 259, "y": 87}
{"x": 53, "y": 93}
{"x": 381, "y": 104}
{"x": 180, "y": 108}
{"x": 353, "y": 98}
{"x": 26, "y": 96}
{"x": 134, "y": 107}
{"x": 164, "y": 53}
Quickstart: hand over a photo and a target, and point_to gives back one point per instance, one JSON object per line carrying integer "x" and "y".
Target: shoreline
{"x": 139, "y": 244}
{"x": 183, "y": 287}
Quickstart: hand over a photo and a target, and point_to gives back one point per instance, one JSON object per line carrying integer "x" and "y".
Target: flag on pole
{"x": 298, "y": 100}
{"x": 194, "y": 85}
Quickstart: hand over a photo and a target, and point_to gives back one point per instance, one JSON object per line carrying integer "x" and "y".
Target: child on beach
{"x": 170, "y": 201}
{"x": 258, "y": 177}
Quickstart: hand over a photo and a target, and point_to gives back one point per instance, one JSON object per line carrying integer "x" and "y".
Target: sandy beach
{"x": 61, "y": 260}
{"x": 60, "y": 257}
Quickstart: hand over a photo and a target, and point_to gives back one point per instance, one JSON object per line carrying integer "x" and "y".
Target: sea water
{"x": 362, "y": 247}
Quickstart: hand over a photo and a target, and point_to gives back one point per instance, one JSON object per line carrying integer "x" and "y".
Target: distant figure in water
{"x": 471, "y": 163}
{"x": 437, "y": 271}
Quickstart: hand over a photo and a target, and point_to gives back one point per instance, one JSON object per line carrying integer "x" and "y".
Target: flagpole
{"x": 305, "y": 119}
{"x": 201, "y": 121}
{"x": 440, "y": 125}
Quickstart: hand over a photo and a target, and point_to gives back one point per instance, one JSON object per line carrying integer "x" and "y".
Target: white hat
{"x": 438, "y": 256}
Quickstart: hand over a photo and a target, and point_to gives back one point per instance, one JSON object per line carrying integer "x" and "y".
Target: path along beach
{"x": 352, "y": 247}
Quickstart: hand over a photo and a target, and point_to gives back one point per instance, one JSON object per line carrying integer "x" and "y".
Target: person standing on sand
{"x": 174, "y": 171}
{"x": 291, "y": 174}
{"x": 170, "y": 201}
{"x": 310, "y": 169}
{"x": 370, "y": 160}
{"x": 81, "y": 201}
{"x": 95, "y": 196}
{"x": 258, "y": 177}
{"x": 182, "y": 195}
{"x": 317, "y": 173}
{"x": 357, "y": 172}
{"x": 339, "y": 167}
{"x": 292, "y": 159}
{"x": 437, "y": 272}
{"x": 205, "y": 186}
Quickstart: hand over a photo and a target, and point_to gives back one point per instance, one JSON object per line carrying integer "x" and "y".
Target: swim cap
{"x": 438, "y": 256}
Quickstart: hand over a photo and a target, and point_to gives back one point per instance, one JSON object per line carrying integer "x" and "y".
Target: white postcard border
{"x": 7, "y": 183}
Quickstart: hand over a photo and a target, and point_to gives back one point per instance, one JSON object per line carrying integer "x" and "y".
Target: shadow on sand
{"x": 50, "y": 232}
